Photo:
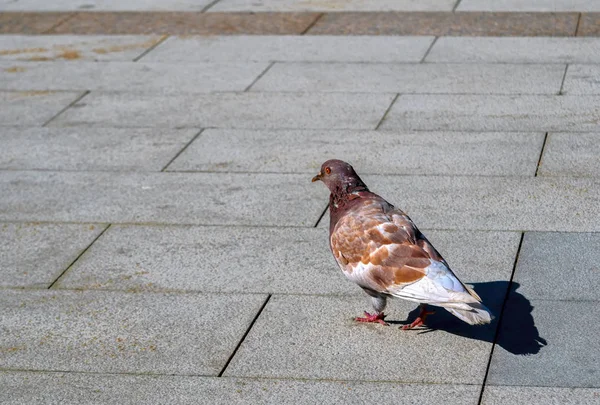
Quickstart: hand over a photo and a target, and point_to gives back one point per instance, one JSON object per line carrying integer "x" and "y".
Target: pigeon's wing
{"x": 380, "y": 248}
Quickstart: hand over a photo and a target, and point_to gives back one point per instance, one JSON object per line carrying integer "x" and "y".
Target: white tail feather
{"x": 477, "y": 314}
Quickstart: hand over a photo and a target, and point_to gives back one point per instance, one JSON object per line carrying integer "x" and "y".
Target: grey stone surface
{"x": 571, "y": 155}
{"x": 32, "y": 107}
{"x": 61, "y": 388}
{"x": 492, "y": 203}
{"x": 34, "y": 255}
{"x": 571, "y": 357}
{"x": 161, "y": 78}
{"x": 122, "y": 332}
{"x": 559, "y": 266}
{"x": 582, "y": 79}
{"x": 198, "y": 198}
{"x": 310, "y": 48}
{"x": 374, "y": 152}
{"x": 413, "y": 78}
{"x": 74, "y": 47}
{"x": 539, "y": 396}
{"x": 529, "y": 5}
{"x": 233, "y": 110}
{"x": 515, "y": 50}
{"x": 90, "y": 148}
{"x": 333, "y": 5}
{"x": 290, "y": 260}
{"x": 103, "y": 5}
{"x": 316, "y": 337}
{"x": 494, "y": 113}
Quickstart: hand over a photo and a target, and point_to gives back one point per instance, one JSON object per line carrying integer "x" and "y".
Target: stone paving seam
{"x": 506, "y": 296}
{"x": 81, "y": 96}
{"x": 456, "y": 5}
{"x": 261, "y": 74}
{"x": 578, "y": 24}
{"x": 386, "y": 112}
{"x": 312, "y": 24}
{"x": 209, "y": 5}
{"x": 539, "y": 163}
{"x": 183, "y": 149}
{"x": 162, "y": 39}
{"x": 61, "y": 22}
{"x": 78, "y": 257}
{"x": 562, "y": 83}
{"x": 260, "y": 310}
{"x": 321, "y": 216}
{"x": 428, "y": 50}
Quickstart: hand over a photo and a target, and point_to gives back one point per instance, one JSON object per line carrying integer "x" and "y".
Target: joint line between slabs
{"x": 312, "y": 24}
{"x": 500, "y": 315}
{"x": 321, "y": 216}
{"x": 429, "y": 49}
{"x": 71, "y": 104}
{"x": 562, "y": 83}
{"x": 539, "y": 163}
{"x": 264, "y": 72}
{"x": 61, "y": 22}
{"x": 456, "y": 5}
{"x": 260, "y": 310}
{"x": 147, "y": 51}
{"x": 182, "y": 149}
{"x": 577, "y": 27}
{"x": 387, "y": 111}
{"x": 78, "y": 257}
{"x": 209, "y": 5}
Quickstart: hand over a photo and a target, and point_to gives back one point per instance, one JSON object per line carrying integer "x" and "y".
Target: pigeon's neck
{"x": 343, "y": 198}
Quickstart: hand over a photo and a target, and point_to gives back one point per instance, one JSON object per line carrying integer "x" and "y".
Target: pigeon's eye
{"x": 327, "y": 170}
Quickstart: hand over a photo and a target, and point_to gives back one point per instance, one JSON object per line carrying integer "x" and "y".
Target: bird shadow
{"x": 517, "y": 335}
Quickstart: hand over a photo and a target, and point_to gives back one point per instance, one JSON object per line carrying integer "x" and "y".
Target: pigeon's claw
{"x": 372, "y": 318}
{"x": 420, "y": 321}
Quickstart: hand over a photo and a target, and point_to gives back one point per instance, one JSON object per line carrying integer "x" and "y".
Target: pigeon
{"x": 378, "y": 247}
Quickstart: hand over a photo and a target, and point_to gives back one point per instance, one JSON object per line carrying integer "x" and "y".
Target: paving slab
{"x": 186, "y": 23}
{"x": 571, "y": 155}
{"x": 291, "y": 49}
{"x": 34, "y": 255}
{"x": 376, "y": 152}
{"x": 332, "y": 5}
{"x": 515, "y": 50}
{"x": 91, "y": 5}
{"x": 528, "y": 5}
{"x": 119, "y": 332}
{"x": 129, "y": 76}
{"x": 413, "y": 78}
{"x": 571, "y": 357}
{"x": 30, "y": 23}
{"x": 582, "y": 79}
{"x": 316, "y": 337}
{"x": 288, "y": 260}
{"x": 231, "y": 110}
{"x": 90, "y": 148}
{"x": 32, "y": 107}
{"x": 74, "y": 48}
{"x": 76, "y": 388}
{"x": 492, "y": 203}
{"x": 445, "y": 23}
{"x": 559, "y": 266}
{"x": 498, "y": 395}
{"x": 190, "y": 198}
{"x": 494, "y": 113}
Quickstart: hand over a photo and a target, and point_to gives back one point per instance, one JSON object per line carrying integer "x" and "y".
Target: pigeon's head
{"x": 337, "y": 174}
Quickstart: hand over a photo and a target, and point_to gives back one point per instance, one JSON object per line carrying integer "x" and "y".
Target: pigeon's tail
{"x": 476, "y": 314}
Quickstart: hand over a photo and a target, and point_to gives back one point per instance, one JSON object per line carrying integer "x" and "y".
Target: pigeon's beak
{"x": 317, "y": 177}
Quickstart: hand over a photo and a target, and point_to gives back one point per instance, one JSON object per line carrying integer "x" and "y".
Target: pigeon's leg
{"x": 420, "y": 319}
{"x": 379, "y": 305}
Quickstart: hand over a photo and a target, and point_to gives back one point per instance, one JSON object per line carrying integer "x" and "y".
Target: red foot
{"x": 420, "y": 319}
{"x": 373, "y": 318}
